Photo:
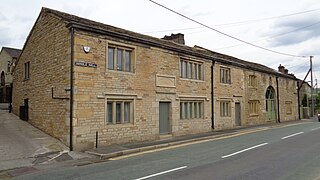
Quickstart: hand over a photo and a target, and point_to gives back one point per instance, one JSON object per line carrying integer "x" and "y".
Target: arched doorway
{"x": 271, "y": 104}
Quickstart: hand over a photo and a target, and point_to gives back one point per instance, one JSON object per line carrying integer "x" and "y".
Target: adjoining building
{"x": 76, "y": 77}
{"x": 8, "y": 57}
{"x": 305, "y": 99}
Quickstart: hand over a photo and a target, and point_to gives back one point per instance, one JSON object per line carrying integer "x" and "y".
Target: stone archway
{"x": 271, "y": 103}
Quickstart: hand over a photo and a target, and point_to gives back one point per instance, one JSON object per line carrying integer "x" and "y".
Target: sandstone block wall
{"x": 4, "y": 58}
{"x": 48, "y": 51}
{"x": 155, "y": 78}
{"x": 152, "y": 65}
{"x": 239, "y": 91}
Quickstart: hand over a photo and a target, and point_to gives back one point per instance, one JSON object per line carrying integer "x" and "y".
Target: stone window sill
{"x": 119, "y": 125}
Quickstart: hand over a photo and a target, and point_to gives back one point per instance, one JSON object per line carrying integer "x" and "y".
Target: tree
{"x": 317, "y": 102}
{"x": 305, "y": 101}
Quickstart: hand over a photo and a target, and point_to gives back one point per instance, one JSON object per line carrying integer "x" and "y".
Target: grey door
{"x": 238, "y": 114}
{"x": 164, "y": 118}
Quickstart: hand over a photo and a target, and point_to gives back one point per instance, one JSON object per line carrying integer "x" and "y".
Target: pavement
{"x": 23, "y": 145}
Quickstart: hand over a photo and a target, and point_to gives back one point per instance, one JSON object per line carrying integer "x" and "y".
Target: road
{"x": 290, "y": 152}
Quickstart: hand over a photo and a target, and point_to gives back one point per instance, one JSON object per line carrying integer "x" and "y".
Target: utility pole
{"x": 316, "y": 86}
{"x": 312, "y": 100}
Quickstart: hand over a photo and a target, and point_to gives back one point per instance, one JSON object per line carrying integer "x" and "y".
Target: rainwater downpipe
{"x": 212, "y": 95}
{"x": 71, "y": 89}
{"x": 278, "y": 104}
{"x": 298, "y": 89}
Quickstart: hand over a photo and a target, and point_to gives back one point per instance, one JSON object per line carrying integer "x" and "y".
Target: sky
{"x": 286, "y": 26}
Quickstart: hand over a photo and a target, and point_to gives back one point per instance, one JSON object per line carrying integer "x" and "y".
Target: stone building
{"x": 305, "y": 99}
{"x": 8, "y": 57}
{"x": 76, "y": 77}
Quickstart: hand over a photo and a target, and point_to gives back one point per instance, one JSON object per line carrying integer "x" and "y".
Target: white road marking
{"x": 160, "y": 173}
{"x": 292, "y": 135}
{"x": 315, "y": 129}
{"x": 62, "y": 152}
{"x": 247, "y": 149}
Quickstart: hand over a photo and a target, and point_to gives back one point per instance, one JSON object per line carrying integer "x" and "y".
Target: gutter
{"x": 298, "y": 91}
{"x": 278, "y": 104}
{"x": 212, "y": 95}
{"x": 71, "y": 89}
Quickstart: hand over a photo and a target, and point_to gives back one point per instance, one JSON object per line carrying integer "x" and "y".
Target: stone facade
{"x": 48, "y": 50}
{"x": 155, "y": 79}
{"x": 126, "y": 102}
{"x": 239, "y": 91}
{"x": 8, "y": 57}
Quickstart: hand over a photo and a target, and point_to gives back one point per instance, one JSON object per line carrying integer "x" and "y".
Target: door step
{"x": 165, "y": 136}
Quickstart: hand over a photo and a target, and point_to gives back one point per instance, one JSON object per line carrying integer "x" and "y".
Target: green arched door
{"x": 270, "y": 104}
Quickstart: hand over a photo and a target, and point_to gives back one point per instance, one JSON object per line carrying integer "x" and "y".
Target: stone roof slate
{"x": 89, "y": 25}
{"x": 15, "y": 53}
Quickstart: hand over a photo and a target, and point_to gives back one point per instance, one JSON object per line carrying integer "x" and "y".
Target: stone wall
{"x": 48, "y": 51}
{"x": 288, "y": 96}
{"x": 155, "y": 79}
{"x": 4, "y": 58}
{"x": 233, "y": 92}
{"x": 239, "y": 91}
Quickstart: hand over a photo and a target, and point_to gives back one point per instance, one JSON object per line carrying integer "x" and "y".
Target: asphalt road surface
{"x": 290, "y": 152}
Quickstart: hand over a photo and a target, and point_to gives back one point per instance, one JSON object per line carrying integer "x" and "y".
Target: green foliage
{"x": 305, "y": 101}
{"x": 318, "y": 101}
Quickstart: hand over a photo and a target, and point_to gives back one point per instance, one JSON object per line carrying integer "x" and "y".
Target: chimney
{"x": 281, "y": 69}
{"x": 286, "y": 71}
{"x": 178, "y": 38}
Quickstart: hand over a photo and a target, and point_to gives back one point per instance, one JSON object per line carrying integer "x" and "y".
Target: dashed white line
{"x": 315, "y": 129}
{"x": 292, "y": 135}
{"x": 160, "y": 173}
{"x": 247, "y": 149}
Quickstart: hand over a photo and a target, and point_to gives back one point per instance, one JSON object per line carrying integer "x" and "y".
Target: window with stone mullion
{"x": 190, "y": 70}
{"x": 119, "y": 112}
{"x": 119, "y": 59}
{"x": 191, "y": 110}
{"x": 224, "y": 109}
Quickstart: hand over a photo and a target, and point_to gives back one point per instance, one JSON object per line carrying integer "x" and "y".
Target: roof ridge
{"x": 92, "y": 25}
{"x": 5, "y": 47}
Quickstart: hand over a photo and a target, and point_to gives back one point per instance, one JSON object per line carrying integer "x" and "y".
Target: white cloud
{"x": 143, "y": 16}
{"x": 294, "y": 30}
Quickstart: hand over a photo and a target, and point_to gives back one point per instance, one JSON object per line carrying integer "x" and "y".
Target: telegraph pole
{"x": 316, "y": 86}
{"x": 312, "y": 101}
